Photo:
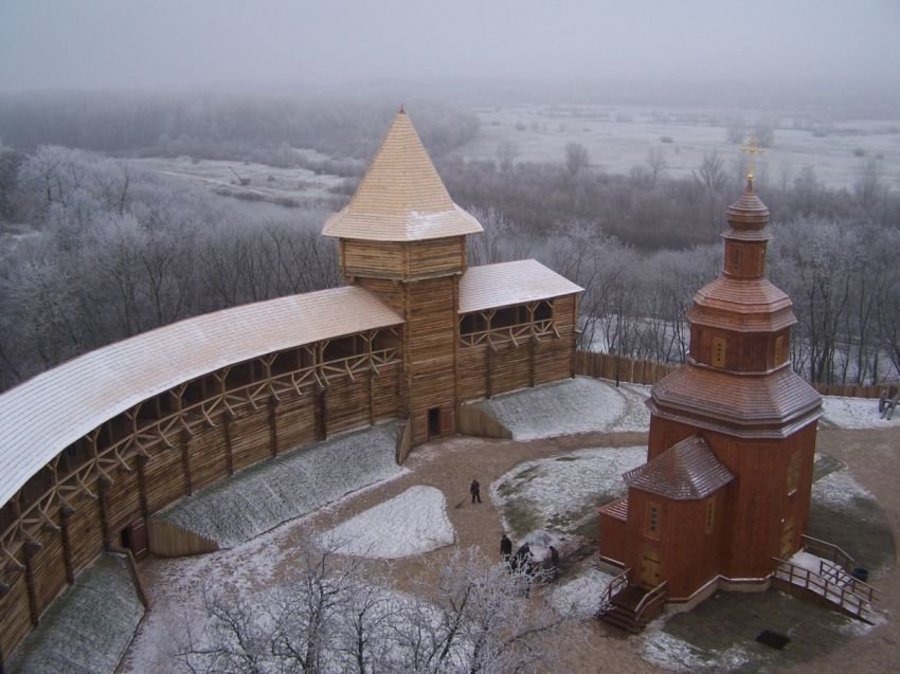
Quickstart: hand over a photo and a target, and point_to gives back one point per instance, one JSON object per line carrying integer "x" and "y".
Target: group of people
{"x": 524, "y": 560}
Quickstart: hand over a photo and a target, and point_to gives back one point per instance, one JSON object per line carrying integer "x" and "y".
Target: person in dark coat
{"x": 505, "y": 548}
{"x": 554, "y": 562}
{"x": 475, "y": 491}
{"x": 524, "y": 558}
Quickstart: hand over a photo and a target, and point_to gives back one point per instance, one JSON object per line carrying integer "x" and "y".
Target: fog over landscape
{"x": 99, "y": 44}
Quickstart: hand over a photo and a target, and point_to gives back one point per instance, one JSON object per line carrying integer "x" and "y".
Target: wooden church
{"x": 92, "y": 449}
{"x": 727, "y": 483}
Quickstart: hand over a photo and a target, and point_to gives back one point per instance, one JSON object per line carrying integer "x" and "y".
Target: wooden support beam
{"x": 103, "y": 485}
{"x": 371, "y": 378}
{"x": 227, "y": 422}
{"x": 273, "y": 425}
{"x": 532, "y": 349}
{"x": 141, "y": 463}
{"x": 65, "y": 512}
{"x": 184, "y": 440}
{"x": 30, "y": 549}
{"x": 321, "y": 406}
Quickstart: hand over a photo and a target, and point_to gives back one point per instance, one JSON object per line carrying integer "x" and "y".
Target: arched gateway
{"x": 90, "y": 450}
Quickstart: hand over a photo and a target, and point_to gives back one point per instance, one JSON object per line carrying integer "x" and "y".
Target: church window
{"x": 735, "y": 260}
{"x": 710, "y": 519}
{"x": 793, "y": 472}
{"x": 718, "y": 351}
{"x": 652, "y": 524}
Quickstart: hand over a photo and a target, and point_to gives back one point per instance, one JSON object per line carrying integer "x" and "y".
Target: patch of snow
{"x": 855, "y": 413}
{"x": 562, "y": 487}
{"x": 580, "y": 597}
{"x": 86, "y": 629}
{"x": 807, "y": 560}
{"x": 839, "y": 491}
{"x": 273, "y": 492}
{"x": 580, "y": 405}
{"x": 412, "y": 523}
{"x": 676, "y": 655}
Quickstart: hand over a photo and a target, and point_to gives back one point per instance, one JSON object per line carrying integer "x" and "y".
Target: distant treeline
{"x": 650, "y": 210}
{"x": 218, "y": 125}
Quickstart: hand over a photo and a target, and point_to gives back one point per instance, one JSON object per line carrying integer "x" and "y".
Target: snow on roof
{"x": 508, "y": 283}
{"x": 687, "y": 471}
{"x": 401, "y": 197}
{"x": 41, "y": 417}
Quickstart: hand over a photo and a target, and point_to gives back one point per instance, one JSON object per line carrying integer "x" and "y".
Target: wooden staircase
{"x": 630, "y": 607}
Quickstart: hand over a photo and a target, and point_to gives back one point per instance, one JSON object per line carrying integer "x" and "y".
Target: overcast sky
{"x": 189, "y": 43}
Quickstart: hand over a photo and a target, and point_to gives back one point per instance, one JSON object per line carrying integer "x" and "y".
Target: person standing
{"x": 554, "y": 562}
{"x": 475, "y": 491}
{"x": 505, "y": 548}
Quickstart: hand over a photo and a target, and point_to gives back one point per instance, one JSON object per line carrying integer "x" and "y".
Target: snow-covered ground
{"x": 580, "y": 598}
{"x": 838, "y": 490}
{"x": 88, "y": 628}
{"x": 265, "y": 495}
{"x": 559, "y": 492}
{"x": 579, "y": 405}
{"x": 676, "y": 655}
{"x": 856, "y": 413}
{"x": 413, "y": 523}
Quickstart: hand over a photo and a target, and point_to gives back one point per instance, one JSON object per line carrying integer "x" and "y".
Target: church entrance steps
{"x": 630, "y": 607}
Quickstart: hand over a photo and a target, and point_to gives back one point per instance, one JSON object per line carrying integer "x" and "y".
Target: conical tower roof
{"x": 401, "y": 197}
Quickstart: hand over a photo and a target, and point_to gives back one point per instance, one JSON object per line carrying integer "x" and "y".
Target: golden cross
{"x": 752, "y": 148}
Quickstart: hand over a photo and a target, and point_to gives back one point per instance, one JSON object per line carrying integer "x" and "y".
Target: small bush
{"x": 859, "y": 152}
{"x": 666, "y": 139}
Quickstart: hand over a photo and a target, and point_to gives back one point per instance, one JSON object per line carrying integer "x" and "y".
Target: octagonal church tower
{"x": 726, "y": 487}
{"x": 402, "y": 238}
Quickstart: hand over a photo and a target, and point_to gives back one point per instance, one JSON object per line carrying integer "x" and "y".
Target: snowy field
{"x": 580, "y": 405}
{"x": 620, "y": 137}
{"x": 272, "y": 492}
{"x": 88, "y": 629}
{"x": 413, "y": 523}
{"x": 856, "y": 413}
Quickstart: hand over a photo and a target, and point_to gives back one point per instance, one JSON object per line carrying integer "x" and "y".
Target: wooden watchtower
{"x": 402, "y": 238}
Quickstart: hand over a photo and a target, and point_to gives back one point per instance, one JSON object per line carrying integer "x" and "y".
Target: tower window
{"x": 793, "y": 472}
{"x": 718, "y": 351}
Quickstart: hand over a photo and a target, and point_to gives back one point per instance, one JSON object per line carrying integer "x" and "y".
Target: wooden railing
{"x": 651, "y": 604}
{"x": 855, "y": 597}
{"x": 828, "y": 551}
{"x": 518, "y": 334}
{"x": 143, "y": 433}
{"x": 616, "y": 585}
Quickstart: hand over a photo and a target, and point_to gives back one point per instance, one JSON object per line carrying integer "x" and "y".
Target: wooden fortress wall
{"x": 496, "y": 360}
{"x": 91, "y": 496}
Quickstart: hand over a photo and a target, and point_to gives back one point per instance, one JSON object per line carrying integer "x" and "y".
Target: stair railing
{"x": 617, "y": 584}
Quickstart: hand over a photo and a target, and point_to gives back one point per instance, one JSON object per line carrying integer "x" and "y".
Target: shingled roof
{"x": 40, "y": 417}
{"x": 401, "y": 197}
{"x": 687, "y": 471}
{"x": 507, "y": 283}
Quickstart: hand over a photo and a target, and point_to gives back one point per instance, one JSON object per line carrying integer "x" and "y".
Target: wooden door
{"x": 787, "y": 538}
{"x": 651, "y": 568}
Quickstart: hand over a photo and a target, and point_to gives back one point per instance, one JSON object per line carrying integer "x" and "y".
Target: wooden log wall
{"x": 169, "y": 540}
{"x": 499, "y": 360}
{"x": 476, "y": 422}
{"x": 430, "y": 355}
{"x": 140, "y": 462}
